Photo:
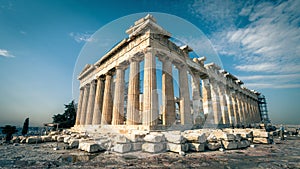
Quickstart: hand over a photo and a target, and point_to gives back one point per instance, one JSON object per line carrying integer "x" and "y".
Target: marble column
{"x": 230, "y": 105}
{"x": 150, "y": 96}
{"x": 185, "y": 110}
{"x": 168, "y": 102}
{"x": 244, "y": 108}
{"x": 84, "y": 104}
{"x": 236, "y": 109}
{"x": 198, "y": 115}
{"x": 133, "y": 93}
{"x": 240, "y": 107}
{"x": 207, "y": 102}
{"x": 107, "y": 101}
{"x": 258, "y": 115}
{"x": 78, "y": 114}
{"x": 248, "y": 110}
{"x": 215, "y": 102}
{"x": 223, "y": 103}
{"x": 118, "y": 105}
{"x": 91, "y": 102}
{"x": 98, "y": 101}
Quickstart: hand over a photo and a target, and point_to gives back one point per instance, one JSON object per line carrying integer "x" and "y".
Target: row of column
{"x": 224, "y": 105}
{"x": 97, "y": 106}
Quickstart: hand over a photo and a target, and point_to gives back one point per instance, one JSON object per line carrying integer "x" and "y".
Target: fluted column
{"x": 258, "y": 115}
{"x": 240, "y": 107}
{"x": 236, "y": 109}
{"x": 80, "y": 99}
{"x": 248, "y": 110}
{"x": 185, "y": 111}
{"x": 150, "y": 96}
{"x": 198, "y": 114}
{"x": 107, "y": 101}
{"x": 98, "y": 101}
{"x": 133, "y": 93}
{"x": 118, "y": 105}
{"x": 223, "y": 103}
{"x": 244, "y": 108}
{"x": 91, "y": 102}
{"x": 230, "y": 105}
{"x": 215, "y": 102}
{"x": 207, "y": 102}
{"x": 84, "y": 104}
{"x": 168, "y": 102}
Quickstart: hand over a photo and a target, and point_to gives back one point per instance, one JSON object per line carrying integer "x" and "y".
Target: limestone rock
{"x": 122, "y": 148}
{"x": 174, "y": 138}
{"x": 259, "y": 140}
{"x": 137, "y": 146}
{"x": 243, "y": 144}
{"x": 195, "y": 137}
{"x": 60, "y": 138}
{"x": 196, "y": 147}
{"x": 33, "y": 140}
{"x": 154, "y": 138}
{"x": 89, "y": 147}
{"x": 230, "y": 145}
{"x": 73, "y": 143}
{"x": 46, "y": 138}
{"x": 153, "y": 147}
{"x": 213, "y": 146}
{"x": 260, "y": 133}
{"x": 66, "y": 139}
{"x": 177, "y": 147}
{"x": 122, "y": 139}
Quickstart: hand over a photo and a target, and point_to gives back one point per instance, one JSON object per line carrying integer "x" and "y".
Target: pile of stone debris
{"x": 155, "y": 142}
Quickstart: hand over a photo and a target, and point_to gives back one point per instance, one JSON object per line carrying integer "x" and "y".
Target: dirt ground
{"x": 282, "y": 154}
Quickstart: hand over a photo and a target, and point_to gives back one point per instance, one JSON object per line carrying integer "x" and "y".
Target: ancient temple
{"x": 206, "y": 93}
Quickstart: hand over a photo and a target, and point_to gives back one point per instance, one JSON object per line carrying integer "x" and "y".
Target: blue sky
{"x": 40, "y": 41}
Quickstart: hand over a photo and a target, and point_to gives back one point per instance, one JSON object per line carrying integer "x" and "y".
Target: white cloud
{"x": 81, "y": 37}
{"x": 262, "y": 37}
{"x": 6, "y": 53}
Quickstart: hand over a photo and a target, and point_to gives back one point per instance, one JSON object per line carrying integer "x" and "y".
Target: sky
{"x": 41, "y": 42}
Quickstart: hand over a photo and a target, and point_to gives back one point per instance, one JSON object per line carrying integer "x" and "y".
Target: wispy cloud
{"x": 81, "y": 37}
{"x": 263, "y": 37}
{"x": 6, "y": 53}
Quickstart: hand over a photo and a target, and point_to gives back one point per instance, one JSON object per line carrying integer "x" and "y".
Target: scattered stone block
{"x": 213, "y": 146}
{"x": 122, "y": 139}
{"x": 46, "y": 138}
{"x": 177, "y": 147}
{"x": 258, "y": 140}
{"x": 60, "y": 138}
{"x": 260, "y": 133}
{"x": 153, "y": 147}
{"x": 15, "y": 139}
{"x": 66, "y": 139}
{"x": 137, "y": 146}
{"x": 122, "y": 148}
{"x": 73, "y": 143}
{"x": 33, "y": 140}
{"x": 243, "y": 144}
{"x": 174, "y": 138}
{"x": 89, "y": 147}
{"x": 157, "y": 138}
{"x": 54, "y": 138}
{"x": 195, "y": 137}
{"x": 23, "y": 140}
{"x": 230, "y": 145}
{"x": 196, "y": 147}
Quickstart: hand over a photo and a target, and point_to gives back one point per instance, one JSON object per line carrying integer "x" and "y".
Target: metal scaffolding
{"x": 263, "y": 108}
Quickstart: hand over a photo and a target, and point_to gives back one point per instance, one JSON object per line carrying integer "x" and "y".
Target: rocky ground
{"x": 282, "y": 154}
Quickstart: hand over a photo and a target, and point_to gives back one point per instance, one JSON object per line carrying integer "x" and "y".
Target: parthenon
{"x": 207, "y": 94}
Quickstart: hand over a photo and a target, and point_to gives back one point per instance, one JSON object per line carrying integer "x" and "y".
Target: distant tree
{"x": 9, "y": 131}
{"x": 67, "y": 119}
{"x": 25, "y": 126}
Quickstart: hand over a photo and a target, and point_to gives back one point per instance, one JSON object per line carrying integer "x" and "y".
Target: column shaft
{"x": 84, "y": 104}
{"x": 185, "y": 111}
{"x": 168, "y": 102}
{"x": 98, "y": 102}
{"x": 207, "y": 102}
{"x": 118, "y": 105}
{"x": 91, "y": 102}
{"x": 216, "y": 102}
{"x": 133, "y": 94}
{"x": 198, "y": 115}
{"x": 236, "y": 108}
{"x": 107, "y": 101}
{"x": 223, "y": 103}
{"x": 80, "y": 99}
{"x": 150, "y": 97}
